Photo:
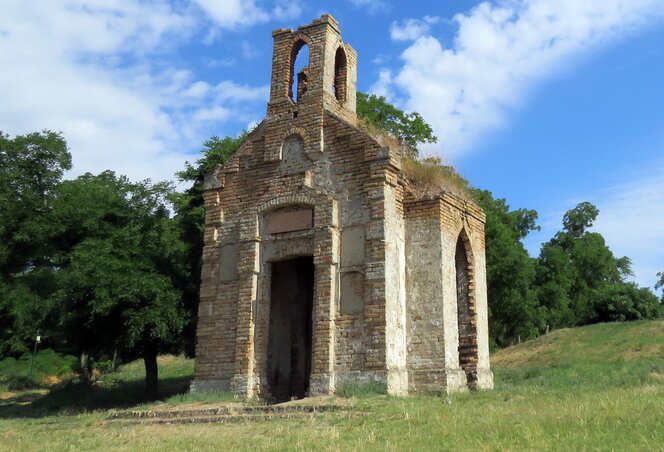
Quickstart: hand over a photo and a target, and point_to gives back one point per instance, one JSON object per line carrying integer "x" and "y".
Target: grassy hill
{"x": 605, "y": 355}
{"x": 604, "y": 342}
{"x": 599, "y": 387}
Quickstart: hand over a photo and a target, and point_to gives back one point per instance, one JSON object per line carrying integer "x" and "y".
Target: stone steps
{"x": 211, "y": 419}
{"x": 220, "y": 414}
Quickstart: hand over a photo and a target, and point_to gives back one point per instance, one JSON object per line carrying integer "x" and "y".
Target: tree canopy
{"x": 409, "y": 129}
{"x": 94, "y": 264}
{"x": 31, "y": 166}
{"x": 660, "y": 284}
{"x": 580, "y": 281}
{"x": 119, "y": 268}
{"x": 513, "y": 309}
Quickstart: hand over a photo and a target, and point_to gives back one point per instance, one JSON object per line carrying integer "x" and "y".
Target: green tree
{"x": 553, "y": 284}
{"x": 409, "y": 128}
{"x": 31, "y": 166}
{"x": 579, "y": 219}
{"x": 190, "y": 218}
{"x": 660, "y": 284}
{"x": 580, "y": 281}
{"x": 513, "y": 309}
{"x": 119, "y": 263}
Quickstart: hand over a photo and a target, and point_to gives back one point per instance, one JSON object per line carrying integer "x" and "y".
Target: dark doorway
{"x": 290, "y": 329}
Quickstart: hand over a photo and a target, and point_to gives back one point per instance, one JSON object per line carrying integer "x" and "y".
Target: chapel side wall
{"x": 458, "y": 215}
{"x": 484, "y": 374}
{"x": 433, "y": 362}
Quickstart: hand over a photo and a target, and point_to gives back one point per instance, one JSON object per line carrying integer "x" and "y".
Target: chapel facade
{"x": 319, "y": 268}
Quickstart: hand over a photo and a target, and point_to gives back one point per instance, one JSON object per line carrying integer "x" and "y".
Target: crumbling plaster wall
{"x": 433, "y": 360}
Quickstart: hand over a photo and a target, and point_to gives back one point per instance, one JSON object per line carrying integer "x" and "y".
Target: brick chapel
{"x": 319, "y": 268}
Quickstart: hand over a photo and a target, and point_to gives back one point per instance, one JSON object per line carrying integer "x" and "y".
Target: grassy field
{"x": 594, "y": 388}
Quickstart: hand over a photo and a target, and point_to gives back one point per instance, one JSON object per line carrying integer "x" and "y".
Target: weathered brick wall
{"x": 342, "y": 174}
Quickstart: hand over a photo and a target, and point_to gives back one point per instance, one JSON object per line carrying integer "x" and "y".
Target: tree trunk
{"x": 151, "y": 372}
{"x": 114, "y": 361}
{"x": 85, "y": 363}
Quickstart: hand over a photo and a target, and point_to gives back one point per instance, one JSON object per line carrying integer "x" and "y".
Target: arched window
{"x": 299, "y": 70}
{"x": 466, "y": 312}
{"x": 340, "y": 75}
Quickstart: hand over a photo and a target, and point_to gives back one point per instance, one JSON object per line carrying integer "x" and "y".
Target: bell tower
{"x": 327, "y": 82}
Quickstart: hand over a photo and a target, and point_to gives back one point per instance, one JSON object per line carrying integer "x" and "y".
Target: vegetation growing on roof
{"x": 429, "y": 177}
{"x": 392, "y": 127}
{"x": 381, "y": 119}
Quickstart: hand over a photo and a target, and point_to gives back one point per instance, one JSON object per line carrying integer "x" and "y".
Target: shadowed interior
{"x": 290, "y": 330}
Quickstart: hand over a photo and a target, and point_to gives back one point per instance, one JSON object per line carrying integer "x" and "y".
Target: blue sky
{"x": 545, "y": 103}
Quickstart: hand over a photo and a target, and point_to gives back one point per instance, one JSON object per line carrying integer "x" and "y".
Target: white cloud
{"x": 228, "y": 90}
{"x": 287, "y": 9}
{"x": 411, "y": 29}
{"x": 212, "y": 114}
{"x": 248, "y": 51}
{"x": 381, "y": 59}
{"x": 500, "y": 51}
{"x": 383, "y": 86}
{"x": 372, "y": 6}
{"x": 95, "y": 70}
{"x": 222, "y": 62}
{"x": 231, "y": 13}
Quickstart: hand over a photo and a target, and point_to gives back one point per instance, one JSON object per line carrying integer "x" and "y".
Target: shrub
{"x": 624, "y": 302}
{"x": 19, "y": 383}
{"x": 47, "y": 363}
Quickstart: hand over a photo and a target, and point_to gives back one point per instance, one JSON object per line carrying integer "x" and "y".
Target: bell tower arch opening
{"x": 299, "y": 70}
{"x": 340, "y": 75}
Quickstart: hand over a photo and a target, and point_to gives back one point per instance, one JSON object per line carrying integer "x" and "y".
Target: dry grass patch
{"x": 429, "y": 178}
{"x": 425, "y": 178}
{"x": 383, "y": 138}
